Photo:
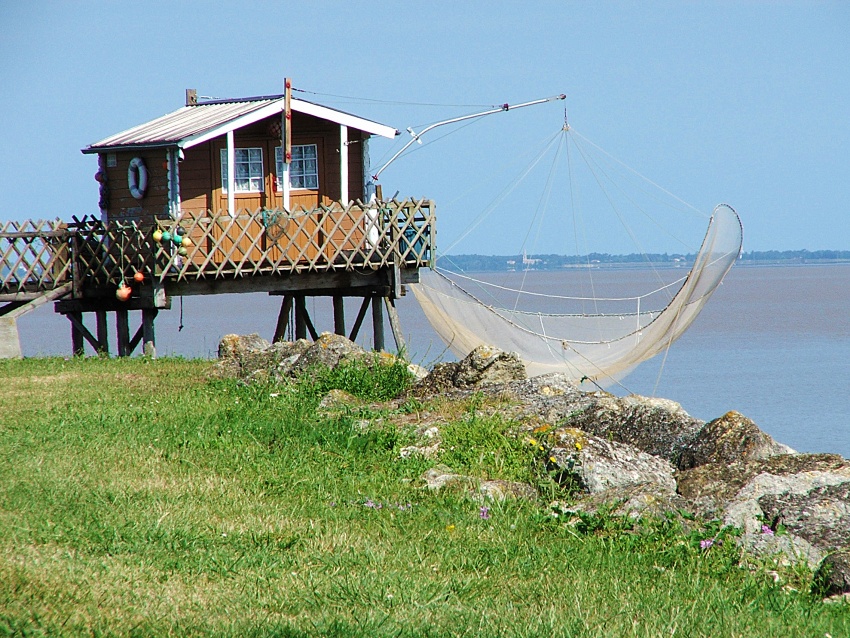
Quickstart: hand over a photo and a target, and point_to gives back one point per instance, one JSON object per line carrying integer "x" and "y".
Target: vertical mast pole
{"x": 286, "y": 139}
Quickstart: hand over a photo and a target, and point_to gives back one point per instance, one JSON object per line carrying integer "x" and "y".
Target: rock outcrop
{"x": 730, "y": 439}
{"x": 251, "y": 357}
{"x": 480, "y": 367}
{"x": 595, "y": 465}
{"x": 632, "y": 456}
{"x": 832, "y": 578}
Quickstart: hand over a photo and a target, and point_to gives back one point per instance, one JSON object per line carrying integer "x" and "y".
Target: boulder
{"x": 731, "y": 438}
{"x": 329, "y": 350}
{"x": 636, "y": 501}
{"x": 712, "y": 486}
{"x": 596, "y": 465}
{"x": 820, "y": 515}
{"x": 484, "y": 365}
{"x": 440, "y": 477}
{"x": 832, "y": 577}
{"x": 659, "y": 427}
{"x": 234, "y": 346}
{"x": 795, "y": 504}
{"x": 251, "y": 357}
{"x": 236, "y": 354}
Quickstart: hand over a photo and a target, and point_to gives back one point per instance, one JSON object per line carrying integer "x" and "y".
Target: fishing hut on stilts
{"x": 263, "y": 194}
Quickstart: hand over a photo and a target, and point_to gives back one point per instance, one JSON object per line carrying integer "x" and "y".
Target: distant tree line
{"x": 483, "y": 263}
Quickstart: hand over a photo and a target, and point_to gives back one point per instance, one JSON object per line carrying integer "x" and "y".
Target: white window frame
{"x": 252, "y": 173}
{"x": 296, "y": 166}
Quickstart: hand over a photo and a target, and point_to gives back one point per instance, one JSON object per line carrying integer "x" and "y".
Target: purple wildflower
{"x": 706, "y": 543}
{"x": 369, "y": 503}
{"x": 484, "y": 512}
{"x": 765, "y": 529}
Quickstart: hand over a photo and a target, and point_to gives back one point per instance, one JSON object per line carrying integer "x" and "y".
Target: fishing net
{"x": 599, "y": 338}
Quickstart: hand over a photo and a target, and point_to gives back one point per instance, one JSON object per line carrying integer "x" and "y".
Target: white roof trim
{"x": 346, "y": 119}
{"x": 231, "y": 125}
{"x": 308, "y": 108}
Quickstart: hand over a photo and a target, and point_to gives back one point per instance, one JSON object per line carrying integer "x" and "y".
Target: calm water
{"x": 773, "y": 343}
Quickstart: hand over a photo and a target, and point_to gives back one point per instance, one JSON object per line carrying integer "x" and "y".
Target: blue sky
{"x": 744, "y": 103}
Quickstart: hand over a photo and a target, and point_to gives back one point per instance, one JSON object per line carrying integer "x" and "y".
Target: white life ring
{"x": 137, "y": 177}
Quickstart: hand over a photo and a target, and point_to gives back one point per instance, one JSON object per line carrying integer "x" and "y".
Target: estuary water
{"x": 772, "y": 343}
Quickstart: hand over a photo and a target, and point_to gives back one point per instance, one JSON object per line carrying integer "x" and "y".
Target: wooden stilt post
{"x": 395, "y": 324}
{"x": 300, "y": 317}
{"x": 378, "y": 323}
{"x": 102, "y": 332}
{"x": 283, "y": 319}
{"x": 122, "y": 322}
{"x": 77, "y": 345}
{"x": 339, "y": 315}
{"x": 361, "y": 314}
{"x": 148, "y": 334}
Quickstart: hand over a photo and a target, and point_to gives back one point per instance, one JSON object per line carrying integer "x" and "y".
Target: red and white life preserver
{"x": 137, "y": 177}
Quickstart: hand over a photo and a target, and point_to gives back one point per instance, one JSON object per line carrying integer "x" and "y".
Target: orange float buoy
{"x": 139, "y": 276}
{"x": 124, "y": 291}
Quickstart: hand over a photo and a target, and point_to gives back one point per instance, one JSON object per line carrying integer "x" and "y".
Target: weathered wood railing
{"x": 272, "y": 241}
{"x": 34, "y": 258}
{"x": 40, "y": 256}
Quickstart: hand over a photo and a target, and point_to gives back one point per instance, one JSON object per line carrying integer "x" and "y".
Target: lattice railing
{"x": 39, "y": 256}
{"x": 265, "y": 241}
{"x": 34, "y": 256}
{"x": 106, "y": 253}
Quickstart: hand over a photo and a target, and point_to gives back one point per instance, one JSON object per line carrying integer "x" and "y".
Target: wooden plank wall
{"x": 122, "y": 205}
{"x": 195, "y": 174}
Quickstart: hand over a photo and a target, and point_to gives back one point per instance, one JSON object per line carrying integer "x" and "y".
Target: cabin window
{"x": 249, "y": 170}
{"x": 304, "y": 168}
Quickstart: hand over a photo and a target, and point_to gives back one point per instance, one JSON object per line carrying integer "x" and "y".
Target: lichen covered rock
{"x": 636, "y": 501}
{"x": 484, "y": 365}
{"x": 596, "y": 465}
{"x": 730, "y": 439}
{"x": 832, "y": 577}
{"x": 710, "y": 487}
{"x": 656, "y": 426}
{"x": 252, "y": 358}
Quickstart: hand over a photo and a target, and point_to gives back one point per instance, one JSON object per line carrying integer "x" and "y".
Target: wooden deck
{"x": 328, "y": 248}
{"x": 343, "y": 250}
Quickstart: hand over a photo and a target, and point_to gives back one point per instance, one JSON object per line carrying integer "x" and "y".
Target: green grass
{"x": 138, "y": 497}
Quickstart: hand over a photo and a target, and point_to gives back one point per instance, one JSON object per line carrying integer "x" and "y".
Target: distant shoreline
{"x": 554, "y": 263}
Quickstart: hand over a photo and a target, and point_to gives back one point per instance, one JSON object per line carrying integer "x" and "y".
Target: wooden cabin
{"x": 184, "y": 155}
{"x": 241, "y": 195}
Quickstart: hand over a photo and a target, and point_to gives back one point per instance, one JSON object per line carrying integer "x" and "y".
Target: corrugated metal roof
{"x": 192, "y": 125}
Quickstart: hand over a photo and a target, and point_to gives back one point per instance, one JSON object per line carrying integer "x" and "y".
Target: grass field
{"x": 139, "y": 497}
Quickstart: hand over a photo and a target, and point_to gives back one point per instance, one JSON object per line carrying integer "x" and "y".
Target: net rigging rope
{"x": 601, "y": 346}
